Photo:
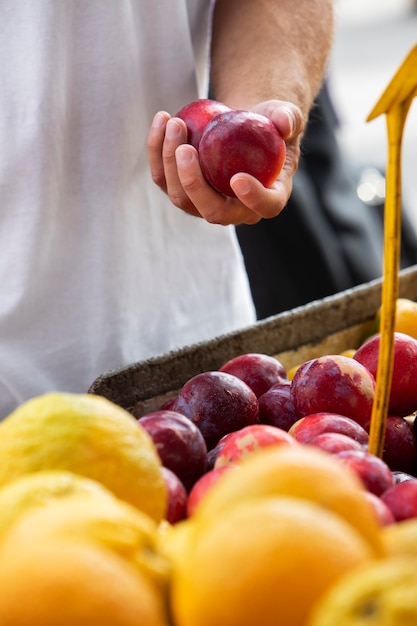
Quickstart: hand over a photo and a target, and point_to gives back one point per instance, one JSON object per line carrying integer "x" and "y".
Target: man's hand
{"x": 175, "y": 169}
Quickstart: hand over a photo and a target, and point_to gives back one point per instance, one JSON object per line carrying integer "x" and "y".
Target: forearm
{"x": 264, "y": 49}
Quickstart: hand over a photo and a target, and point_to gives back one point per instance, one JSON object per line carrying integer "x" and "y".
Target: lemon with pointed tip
{"x": 400, "y": 538}
{"x": 106, "y": 522}
{"x": 32, "y": 491}
{"x": 87, "y": 435}
{"x": 379, "y": 593}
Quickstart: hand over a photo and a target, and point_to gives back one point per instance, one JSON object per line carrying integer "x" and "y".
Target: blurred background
{"x": 372, "y": 39}
{"x": 330, "y": 237}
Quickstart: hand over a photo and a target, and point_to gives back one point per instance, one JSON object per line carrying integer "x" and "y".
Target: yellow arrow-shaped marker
{"x": 394, "y": 103}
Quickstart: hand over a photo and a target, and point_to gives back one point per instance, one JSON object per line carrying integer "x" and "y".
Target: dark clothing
{"x": 326, "y": 240}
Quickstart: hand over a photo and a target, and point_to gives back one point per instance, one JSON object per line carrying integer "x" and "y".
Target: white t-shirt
{"x": 97, "y": 268}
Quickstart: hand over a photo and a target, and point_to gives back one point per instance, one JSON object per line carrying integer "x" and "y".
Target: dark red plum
{"x": 373, "y": 471}
{"x": 334, "y": 442}
{"x": 403, "y": 394}
{"x": 249, "y": 439}
{"x": 401, "y": 499}
{"x": 167, "y": 405}
{"x": 177, "y": 497}
{"x": 334, "y": 384}
{"x": 214, "y": 452}
{"x": 203, "y": 485}
{"x": 259, "y": 371}
{"x": 240, "y": 141}
{"x": 400, "y": 446}
{"x": 197, "y": 115}
{"x": 308, "y": 427}
{"x": 383, "y": 514}
{"x": 180, "y": 444}
{"x": 276, "y": 407}
{"x": 217, "y": 403}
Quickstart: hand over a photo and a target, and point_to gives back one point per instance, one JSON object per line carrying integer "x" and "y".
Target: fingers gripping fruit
{"x": 232, "y": 141}
{"x": 240, "y": 141}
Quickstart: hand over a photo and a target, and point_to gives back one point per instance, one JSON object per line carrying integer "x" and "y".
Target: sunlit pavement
{"x": 372, "y": 38}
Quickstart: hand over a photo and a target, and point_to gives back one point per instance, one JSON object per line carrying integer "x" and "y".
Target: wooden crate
{"x": 326, "y": 326}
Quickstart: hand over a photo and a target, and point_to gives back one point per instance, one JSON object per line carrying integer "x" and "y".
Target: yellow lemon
{"x": 87, "y": 435}
{"x": 400, "y": 538}
{"x": 109, "y": 523}
{"x": 36, "y": 490}
{"x": 301, "y": 471}
{"x": 74, "y": 584}
{"x": 173, "y": 541}
{"x": 263, "y": 562}
{"x": 382, "y": 593}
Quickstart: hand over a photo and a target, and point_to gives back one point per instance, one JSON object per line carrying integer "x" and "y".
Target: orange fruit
{"x": 262, "y": 562}
{"x": 87, "y": 435}
{"x": 406, "y": 317}
{"x": 108, "y": 523}
{"x": 379, "y": 593}
{"x": 74, "y": 584}
{"x": 300, "y": 471}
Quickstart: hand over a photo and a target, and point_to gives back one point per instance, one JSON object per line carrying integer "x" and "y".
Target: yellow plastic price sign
{"x": 394, "y": 103}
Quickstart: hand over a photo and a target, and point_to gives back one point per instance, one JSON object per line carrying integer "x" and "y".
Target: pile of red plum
{"x": 218, "y": 417}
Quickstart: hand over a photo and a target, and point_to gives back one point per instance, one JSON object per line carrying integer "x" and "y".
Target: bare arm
{"x": 268, "y": 56}
{"x": 270, "y": 49}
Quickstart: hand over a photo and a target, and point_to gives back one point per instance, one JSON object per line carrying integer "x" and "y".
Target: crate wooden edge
{"x": 332, "y": 344}
{"x": 290, "y": 334}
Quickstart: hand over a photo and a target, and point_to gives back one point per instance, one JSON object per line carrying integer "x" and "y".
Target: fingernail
{"x": 290, "y": 119}
{"x": 241, "y": 186}
{"x": 173, "y": 130}
{"x": 159, "y": 120}
{"x": 184, "y": 155}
